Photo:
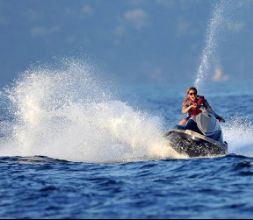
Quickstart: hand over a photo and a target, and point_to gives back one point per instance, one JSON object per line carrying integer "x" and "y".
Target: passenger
{"x": 192, "y": 104}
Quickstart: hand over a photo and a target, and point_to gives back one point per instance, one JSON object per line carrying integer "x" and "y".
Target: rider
{"x": 192, "y": 104}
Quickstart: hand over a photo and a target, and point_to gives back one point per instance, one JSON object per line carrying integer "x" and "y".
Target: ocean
{"x": 72, "y": 147}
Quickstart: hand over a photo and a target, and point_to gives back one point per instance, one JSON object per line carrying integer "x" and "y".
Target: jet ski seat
{"x": 190, "y": 125}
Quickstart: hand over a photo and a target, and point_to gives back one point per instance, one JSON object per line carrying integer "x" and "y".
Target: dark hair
{"x": 192, "y": 88}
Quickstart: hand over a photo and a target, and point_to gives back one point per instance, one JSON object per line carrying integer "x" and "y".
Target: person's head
{"x": 192, "y": 92}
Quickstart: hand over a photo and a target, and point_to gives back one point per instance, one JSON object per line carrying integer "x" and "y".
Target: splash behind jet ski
{"x": 201, "y": 136}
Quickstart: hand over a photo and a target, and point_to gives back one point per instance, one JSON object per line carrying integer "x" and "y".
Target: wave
{"x": 238, "y": 132}
{"x": 65, "y": 113}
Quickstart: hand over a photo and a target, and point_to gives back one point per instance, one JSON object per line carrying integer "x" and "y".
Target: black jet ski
{"x": 200, "y": 137}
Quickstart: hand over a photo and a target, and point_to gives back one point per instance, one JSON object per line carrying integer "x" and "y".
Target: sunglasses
{"x": 192, "y": 93}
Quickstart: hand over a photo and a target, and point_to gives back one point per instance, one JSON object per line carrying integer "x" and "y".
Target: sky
{"x": 129, "y": 41}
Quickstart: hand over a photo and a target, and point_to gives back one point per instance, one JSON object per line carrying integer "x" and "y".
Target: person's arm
{"x": 186, "y": 108}
{"x": 209, "y": 108}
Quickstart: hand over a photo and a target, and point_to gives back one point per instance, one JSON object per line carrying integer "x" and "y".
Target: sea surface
{"x": 72, "y": 148}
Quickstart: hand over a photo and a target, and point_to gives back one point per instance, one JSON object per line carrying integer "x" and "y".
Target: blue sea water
{"x": 69, "y": 149}
{"x": 40, "y": 187}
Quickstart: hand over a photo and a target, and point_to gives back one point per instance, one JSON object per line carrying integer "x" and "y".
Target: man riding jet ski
{"x": 200, "y": 133}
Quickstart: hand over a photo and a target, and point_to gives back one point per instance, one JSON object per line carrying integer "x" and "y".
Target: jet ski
{"x": 200, "y": 137}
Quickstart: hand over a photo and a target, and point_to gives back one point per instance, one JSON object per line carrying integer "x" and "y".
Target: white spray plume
{"x": 65, "y": 113}
{"x": 210, "y": 44}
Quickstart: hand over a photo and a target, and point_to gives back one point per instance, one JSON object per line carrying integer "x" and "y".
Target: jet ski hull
{"x": 194, "y": 144}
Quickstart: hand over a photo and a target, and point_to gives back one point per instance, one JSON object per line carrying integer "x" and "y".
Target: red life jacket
{"x": 195, "y": 111}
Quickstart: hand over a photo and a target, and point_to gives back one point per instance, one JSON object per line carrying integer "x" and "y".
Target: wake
{"x": 65, "y": 113}
{"x": 239, "y": 134}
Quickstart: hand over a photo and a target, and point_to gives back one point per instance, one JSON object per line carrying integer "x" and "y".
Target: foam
{"x": 65, "y": 113}
{"x": 238, "y": 133}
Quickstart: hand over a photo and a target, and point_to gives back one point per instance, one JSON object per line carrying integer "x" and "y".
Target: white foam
{"x": 65, "y": 113}
{"x": 238, "y": 133}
